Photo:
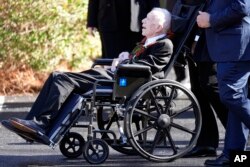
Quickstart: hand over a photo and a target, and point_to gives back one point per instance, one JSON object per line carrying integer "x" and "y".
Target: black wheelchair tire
{"x": 155, "y": 120}
{"x": 71, "y": 146}
{"x": 96, "y": 151}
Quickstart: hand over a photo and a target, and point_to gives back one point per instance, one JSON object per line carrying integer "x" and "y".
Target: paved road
{"x": 14, "y": 152}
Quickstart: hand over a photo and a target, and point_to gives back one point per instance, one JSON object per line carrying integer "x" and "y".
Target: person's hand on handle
{"x": 203, "y": 19}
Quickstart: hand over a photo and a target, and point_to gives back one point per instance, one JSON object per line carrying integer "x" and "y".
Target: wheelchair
{"x": 136, "y": 113}
{"x": 142, "y": 116}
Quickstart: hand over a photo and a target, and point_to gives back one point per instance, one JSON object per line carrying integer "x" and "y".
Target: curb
{"x": 14, "y": 99}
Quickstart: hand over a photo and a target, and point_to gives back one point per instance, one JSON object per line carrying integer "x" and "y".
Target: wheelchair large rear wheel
{"x": 170, "y": 120}
{"x": 107, "y": 119}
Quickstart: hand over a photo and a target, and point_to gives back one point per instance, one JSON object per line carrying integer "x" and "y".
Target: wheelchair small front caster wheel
{"x": 71, "y": 146}
{"x": 96, "y": 151}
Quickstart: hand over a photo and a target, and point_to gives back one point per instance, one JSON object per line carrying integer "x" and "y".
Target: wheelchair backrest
{"x": 183, "y": 25}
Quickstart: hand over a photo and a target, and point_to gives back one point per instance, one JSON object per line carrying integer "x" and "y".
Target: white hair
{"x": 164, "y": 17}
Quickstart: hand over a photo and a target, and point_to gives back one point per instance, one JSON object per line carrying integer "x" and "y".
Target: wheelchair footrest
{"x": 69, "y": 113}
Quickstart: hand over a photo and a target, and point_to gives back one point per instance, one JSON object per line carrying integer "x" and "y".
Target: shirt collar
{"x": 153, "y": 39}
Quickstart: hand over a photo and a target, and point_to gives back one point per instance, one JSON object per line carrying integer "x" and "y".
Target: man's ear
{"x": 159, "y": 28}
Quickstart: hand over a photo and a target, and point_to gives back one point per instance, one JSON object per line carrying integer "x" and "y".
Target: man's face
{"x": 150, "y": 27}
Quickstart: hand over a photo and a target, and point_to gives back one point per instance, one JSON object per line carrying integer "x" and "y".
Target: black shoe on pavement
{"x": 28, "y": 126}
{"x": 25, "y": 136}
{"x": 201, "y": 152}
{"x": 221, "y": 161}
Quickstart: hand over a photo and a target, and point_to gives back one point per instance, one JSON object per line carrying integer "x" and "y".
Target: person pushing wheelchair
{"x": 154, "y": 51}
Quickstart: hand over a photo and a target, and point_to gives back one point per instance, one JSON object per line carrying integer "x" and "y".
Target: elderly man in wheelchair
{"x": 148, "y": 107}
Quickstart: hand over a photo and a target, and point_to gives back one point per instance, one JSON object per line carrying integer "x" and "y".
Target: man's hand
{"x": 92, "y": 30}
{"x": 115, "y": 62}
{"x": 203, "y": 20}
{"x": 123, "y": 56}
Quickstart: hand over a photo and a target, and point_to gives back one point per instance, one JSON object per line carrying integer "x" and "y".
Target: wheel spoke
{"x": 69, "y": 141}
{"x": 73, "y": 141}
{"x": 70, "y": 145}
{"x": 182, "y": 128}
{"x": 182, "y": 111}
{"x": 96, "y": 146}
{"x": 163, "y": 96}
{"x": 77, "y": 144}
{"x": 156, "y": 139}
{"x": 97, "y": 156}
{"x": 67, "y": 147}
{"x": 137, "y": 125}
{"x": 92, "y": 154}
{"x": 144, "y": 113}
{"x": 171, "y": 141}
{"x": 144, "y": 130}
{"x": 73, "y": 148}
{"x": 170, "y": 99}
{"x": 155, "y": 102}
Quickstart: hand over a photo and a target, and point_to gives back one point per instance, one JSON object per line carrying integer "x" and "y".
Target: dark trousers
{"x": 57, "y": 89}
{"x": 233, "y": 85}
{"x": 204, "y": 85}
{"x": 179, "y": 68}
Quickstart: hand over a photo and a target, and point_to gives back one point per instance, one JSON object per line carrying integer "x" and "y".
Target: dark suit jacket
{"x": 229, "y": 35}
{"x": 201, "y": 51}
{"x": 114, "y": 15}
{"x": 156, "y": 56}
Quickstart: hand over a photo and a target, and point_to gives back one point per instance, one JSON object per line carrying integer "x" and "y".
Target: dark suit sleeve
{"x": 231, "y": 15}
{"x": 92, "y": 19}
{"x": 156, "y": 56}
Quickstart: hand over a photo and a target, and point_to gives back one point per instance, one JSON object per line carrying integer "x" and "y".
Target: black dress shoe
{"x": 28, "y": 126}
{"x": 29, "y": 138}
{"x": 201, "y": 152}
{"x": 221, "y": 161}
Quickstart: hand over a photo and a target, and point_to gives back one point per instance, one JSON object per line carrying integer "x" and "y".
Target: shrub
{"x": 42, "y": 33}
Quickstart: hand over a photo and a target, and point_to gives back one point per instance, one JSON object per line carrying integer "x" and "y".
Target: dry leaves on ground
{"x": 20, "y": 80}
{"x": 23, "y": 80}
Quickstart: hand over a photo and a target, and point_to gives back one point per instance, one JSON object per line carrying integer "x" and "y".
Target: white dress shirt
{"x": 152, "y": 40}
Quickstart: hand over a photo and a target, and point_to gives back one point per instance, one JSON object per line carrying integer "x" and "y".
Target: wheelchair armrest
{"x": 107, "y": 62}
{"x": 133, "y": 70}
{"x": 128, "y": 78}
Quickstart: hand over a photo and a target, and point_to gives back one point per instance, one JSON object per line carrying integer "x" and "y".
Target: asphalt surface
{"x": 15, "y": 152}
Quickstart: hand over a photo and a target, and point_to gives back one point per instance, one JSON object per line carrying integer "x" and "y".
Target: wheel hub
{"x": 163, "y": 121}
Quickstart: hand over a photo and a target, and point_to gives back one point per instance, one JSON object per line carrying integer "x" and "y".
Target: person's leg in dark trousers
{"x": 233, "y": 86}
{"x": 211, "y": 89}
{"x": 179, "y": 69}
{"x": 57, "y": 89}
{"x": 204, "y": 86}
